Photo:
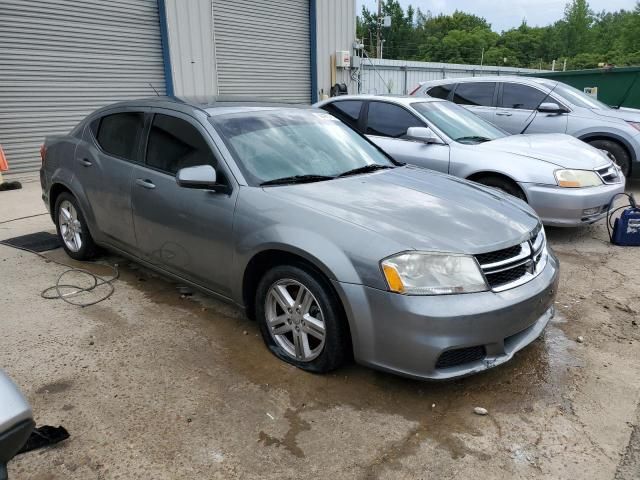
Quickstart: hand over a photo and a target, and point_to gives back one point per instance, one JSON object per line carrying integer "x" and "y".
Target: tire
{"x": 66, "y": 227}
{"x": 503, "y": 184}
{"x": 318, "y": 356}
{"x": 618, "y": 153}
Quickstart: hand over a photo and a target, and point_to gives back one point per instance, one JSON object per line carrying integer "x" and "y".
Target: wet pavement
{"x": 152, "y": 383}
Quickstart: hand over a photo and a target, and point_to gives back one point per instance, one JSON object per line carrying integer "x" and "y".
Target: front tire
{"x": 503, "y": 184}
{"x": 617, "y": 152}
{"x": 72, "y": 228}
{"x": 300, "y": 319}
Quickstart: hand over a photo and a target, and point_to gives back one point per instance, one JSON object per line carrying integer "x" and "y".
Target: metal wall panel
{"x": 379, "y": 76}
{"x": 262, "y": 48}
{"x": 62, "y": 59}
{"x": 336, "y": 31}
{"x": 190, "y": 28}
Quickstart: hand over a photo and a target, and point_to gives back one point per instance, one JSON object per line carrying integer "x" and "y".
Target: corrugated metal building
{"x": 61, "y": 59}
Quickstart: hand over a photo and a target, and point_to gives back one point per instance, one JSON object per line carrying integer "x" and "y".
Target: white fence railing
{"x": 379, "y": 76}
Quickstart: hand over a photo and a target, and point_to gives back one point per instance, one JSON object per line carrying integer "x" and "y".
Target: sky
{"x": 505, "y": 14}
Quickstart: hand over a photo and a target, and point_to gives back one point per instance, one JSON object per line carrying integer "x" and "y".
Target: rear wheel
{"x": 617, "y": 153}
{"x": 72, "y": 228}
{"x": 300, "y": 319}
{"x": 506, "y": 185}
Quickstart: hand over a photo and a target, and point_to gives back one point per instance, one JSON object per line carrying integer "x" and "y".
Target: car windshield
{"x": 458, "y": 123}
{"x": 578, "y": 98}
{"x": 296, "y": 146}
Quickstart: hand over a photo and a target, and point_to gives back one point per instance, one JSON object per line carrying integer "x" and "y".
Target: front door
{"x": 185, "y": 231}
{"x": 478, "y": 97}
{"x": 104, "y": 167}
{"x": 517, "y": 108}
{"x": 386, "y": 125}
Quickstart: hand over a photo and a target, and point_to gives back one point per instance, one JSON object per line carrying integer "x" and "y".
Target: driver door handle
{"x": 145, "y": 183}
{"x": 85, "y": 162}
{"x": 504, "y": 114}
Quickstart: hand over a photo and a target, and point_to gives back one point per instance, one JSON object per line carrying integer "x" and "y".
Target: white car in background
{"x": 566, "y": 181}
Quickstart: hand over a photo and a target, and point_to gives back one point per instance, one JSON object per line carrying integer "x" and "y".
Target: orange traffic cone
{"x": 4, "y": 166}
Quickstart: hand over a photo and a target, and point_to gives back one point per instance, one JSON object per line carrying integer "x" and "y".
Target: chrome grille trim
{"x": 533, "y": 254}
{"x": 609, "y": 174}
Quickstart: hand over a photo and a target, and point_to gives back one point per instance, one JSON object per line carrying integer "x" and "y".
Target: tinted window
{"x": 521, "y": 96}
{"x": 347, "y": 110}
{"x": 441, "y": 91}
{"x": 389, "y": 120}
{"x": 174, "y": 144}
{"x": 475, "y": 94}
{"x": 119, "y": 133}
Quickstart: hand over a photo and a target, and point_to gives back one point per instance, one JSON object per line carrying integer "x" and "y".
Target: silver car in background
{"x": 334, "y": 248}
{"x": 566, "y": 181}
{"x": 546, "y": 106}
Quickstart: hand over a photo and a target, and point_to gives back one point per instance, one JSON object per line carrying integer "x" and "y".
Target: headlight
{"x": 635, "y": 125}
{"x": 419, "y": 273}
{"x": 577, "y": 178}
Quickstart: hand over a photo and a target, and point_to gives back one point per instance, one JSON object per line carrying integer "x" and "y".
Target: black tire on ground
{"x": 503, "y": 184}
{"x": 337, "y": 344}
{"x": 617, "y": 151}
{"x": 88, "y": 249}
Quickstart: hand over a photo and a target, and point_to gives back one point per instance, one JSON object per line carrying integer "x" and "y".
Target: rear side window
{"x": 441, "y": 91}
{"x": 521, "y": 96}
{"x": 174, "y": 144}
{"x": 346, "y": 110}
{"x": 388, "y": 120}
{"x": 118, "y": 134}
{"x": 480, "y": 94}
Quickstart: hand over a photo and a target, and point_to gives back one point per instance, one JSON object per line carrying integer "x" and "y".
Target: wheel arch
{"x": 476, "y": 176}
{"x": 611, "y": 137}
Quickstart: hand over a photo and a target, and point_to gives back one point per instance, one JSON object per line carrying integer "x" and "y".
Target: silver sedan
{"x": 566, "y": 181}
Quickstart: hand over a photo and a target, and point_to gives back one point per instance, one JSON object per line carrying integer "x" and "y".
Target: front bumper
{"x": 408, "y": 335}
{"x": 565, "y": 207}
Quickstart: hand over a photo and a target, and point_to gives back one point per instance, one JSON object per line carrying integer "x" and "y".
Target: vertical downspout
{"x": 166, "y": 55}
{"x": 313, "y": 47}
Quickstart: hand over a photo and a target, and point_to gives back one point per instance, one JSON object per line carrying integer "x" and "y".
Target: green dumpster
{"x": 613, "y": 86}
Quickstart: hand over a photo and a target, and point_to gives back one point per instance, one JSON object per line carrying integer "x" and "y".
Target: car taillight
{"x": 415, "y": 89}
{"x": 43, "y": 152}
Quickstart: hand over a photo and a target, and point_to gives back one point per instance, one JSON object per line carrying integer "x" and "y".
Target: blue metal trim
{"x": 313, "y": 47}
{"x": 166, "y": 56}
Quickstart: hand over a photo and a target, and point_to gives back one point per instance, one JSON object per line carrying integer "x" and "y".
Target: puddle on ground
{"x": 539, "y": 374}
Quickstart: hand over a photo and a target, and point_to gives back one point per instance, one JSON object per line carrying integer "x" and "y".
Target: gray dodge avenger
{"x": 334, "y": 248}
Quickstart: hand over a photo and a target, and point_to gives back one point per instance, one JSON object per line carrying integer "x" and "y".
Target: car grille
{"x": 460, "y": 356}
{"x": 609, "y": 174}
{"x": 513, "y": 266}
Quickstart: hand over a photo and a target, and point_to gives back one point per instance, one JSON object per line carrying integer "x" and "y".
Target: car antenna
{"x": 535, "y": 112}
{"x": 154, "y": 89}
{"x": 626, "y": 94}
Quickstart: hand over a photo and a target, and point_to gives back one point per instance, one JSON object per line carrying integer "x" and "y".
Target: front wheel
{"x": 301, "y": 319}
{"x": 503, "y": 184}
{"x": 616, "y": 152}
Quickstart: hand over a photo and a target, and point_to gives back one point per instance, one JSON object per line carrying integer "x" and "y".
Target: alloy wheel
{"x": 70, "y": 226}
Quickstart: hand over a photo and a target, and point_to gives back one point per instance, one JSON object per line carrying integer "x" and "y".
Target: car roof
{"x": 399, "y": 99}
{"x": 210, "y": 105}
{"x": 493, "y": 78}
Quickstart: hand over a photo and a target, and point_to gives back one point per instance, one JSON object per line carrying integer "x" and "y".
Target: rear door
{"x": 478, "y": 97}
{"x": 104, "y": 167}
{"x": 517, "y": 107}
{"x": 386, "y": 125}
{"x": 346, "y": 110}
{"x": 185, "y": 231}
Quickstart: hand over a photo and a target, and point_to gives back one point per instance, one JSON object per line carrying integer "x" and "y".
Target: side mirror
{"x": 201, "y": 176}
{"x": 551, "y": 107}
{"x": 422, "y": 134}
{"x": 16, "y": 422}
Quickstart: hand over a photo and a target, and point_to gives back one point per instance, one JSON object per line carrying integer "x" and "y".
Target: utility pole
{"x": 379, "y": 25}
{"x": 564, "y": 66}
{"x": 553, "y": 65}
{"x": 482, "y": 57}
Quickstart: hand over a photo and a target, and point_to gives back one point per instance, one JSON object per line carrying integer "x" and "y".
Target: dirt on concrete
{"x": 152, "y": 383}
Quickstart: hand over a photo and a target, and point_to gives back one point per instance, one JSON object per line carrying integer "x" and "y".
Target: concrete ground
{"x": 152, "y": 385}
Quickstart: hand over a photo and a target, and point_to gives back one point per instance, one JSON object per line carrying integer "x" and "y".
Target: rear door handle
{"x": 85, "y": 162}
{"x": 145, "y": 183}
{"x": 504, "y": 114}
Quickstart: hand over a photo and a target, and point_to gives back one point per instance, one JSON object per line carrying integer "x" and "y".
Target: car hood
{"x": 559, "y": 149}
{"x": 420, "y": 209}
{"x": 627, "y": 114}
